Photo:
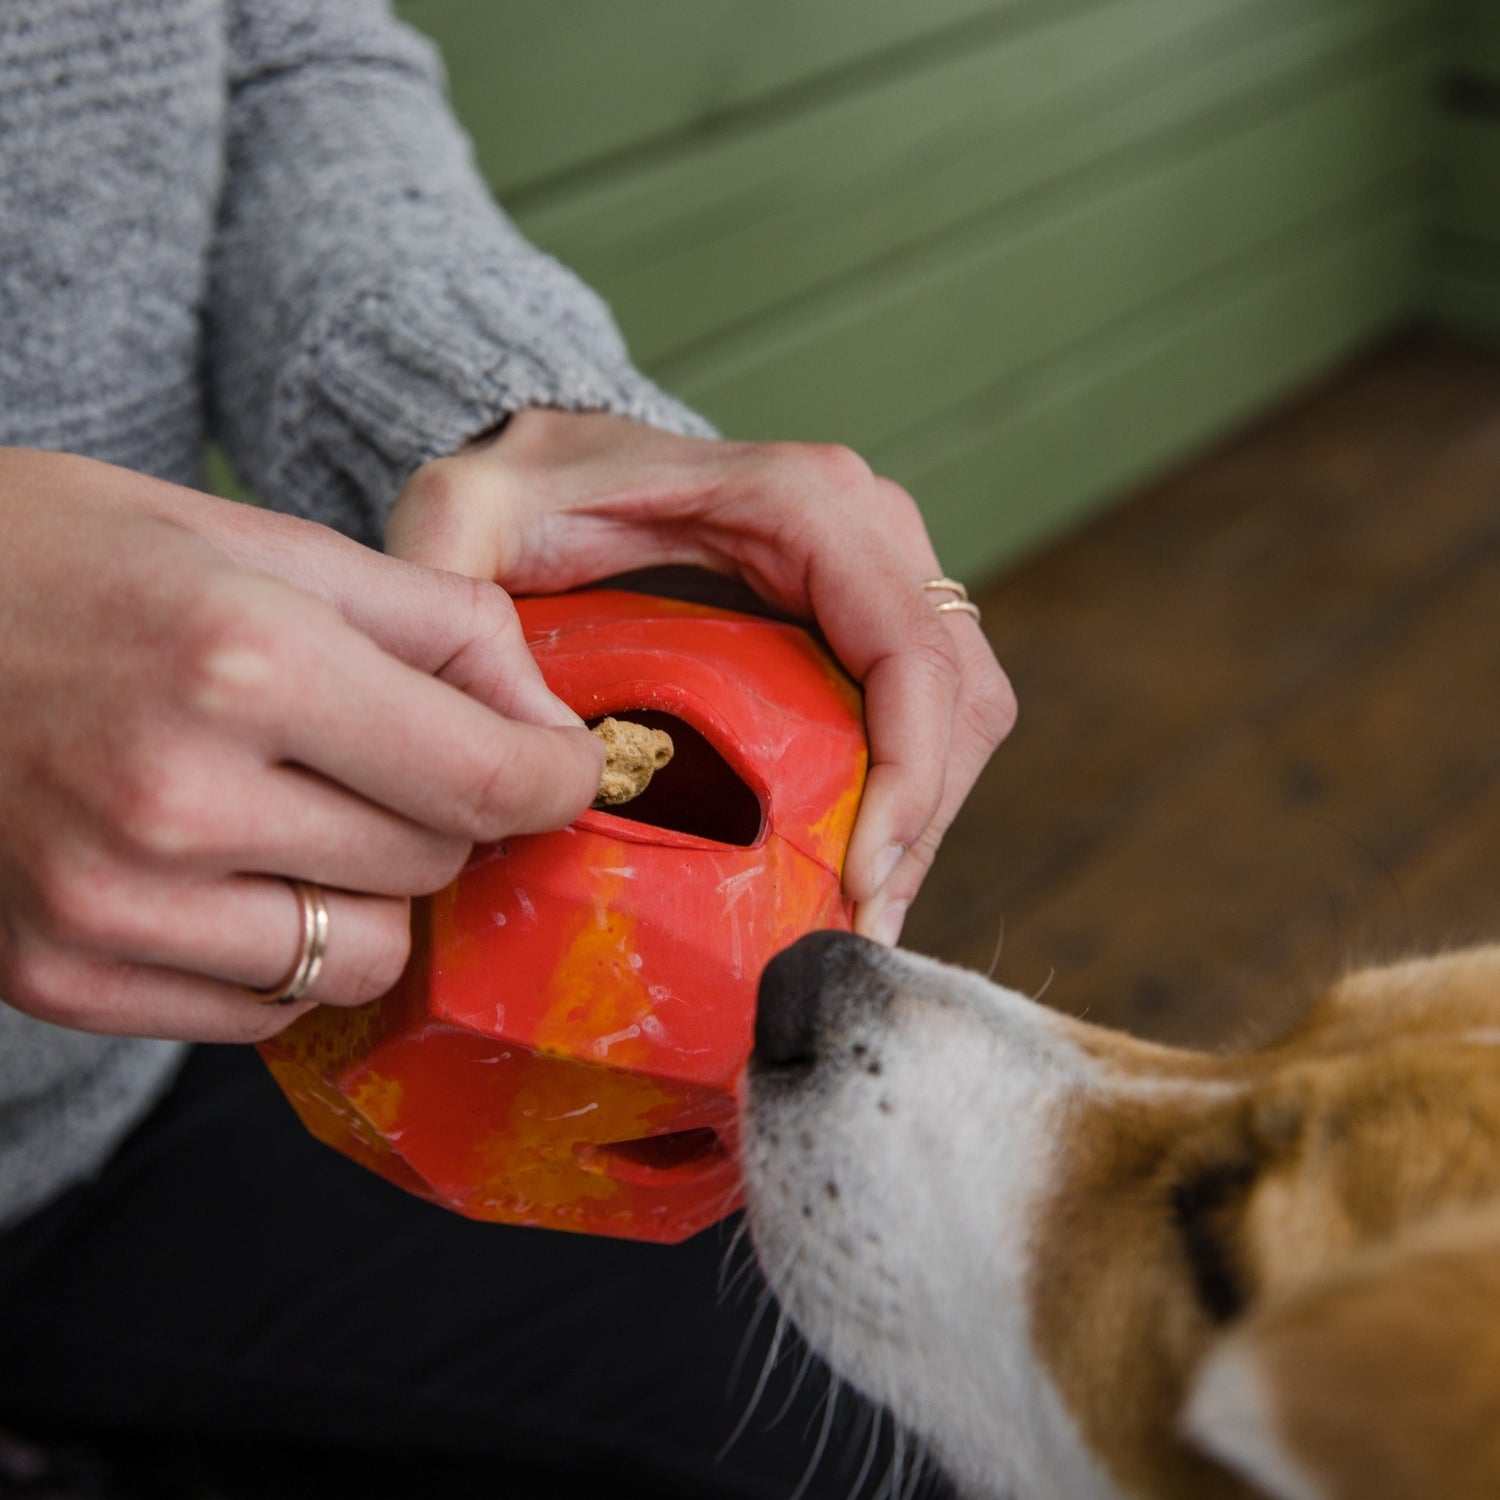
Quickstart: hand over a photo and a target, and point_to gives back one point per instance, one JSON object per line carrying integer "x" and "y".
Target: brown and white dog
{"x": 1079, "y": 1265}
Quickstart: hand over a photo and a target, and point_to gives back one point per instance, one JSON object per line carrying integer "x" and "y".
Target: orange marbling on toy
{"x": 566, "y": 1045}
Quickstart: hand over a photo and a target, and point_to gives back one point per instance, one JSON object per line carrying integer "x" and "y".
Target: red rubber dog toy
{"x": 566, "y": 1045}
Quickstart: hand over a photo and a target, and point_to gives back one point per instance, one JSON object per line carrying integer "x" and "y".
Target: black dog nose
{"x": 793, "y": 990}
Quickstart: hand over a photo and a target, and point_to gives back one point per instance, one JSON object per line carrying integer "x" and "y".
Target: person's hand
{"x": 557, "y": 500}
{"x": 202, "y": 700}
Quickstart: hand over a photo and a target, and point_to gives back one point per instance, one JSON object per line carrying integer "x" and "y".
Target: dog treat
{"x": 633, "y": 754}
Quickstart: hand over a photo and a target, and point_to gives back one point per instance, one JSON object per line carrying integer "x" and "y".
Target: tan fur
{"x": 1314, "y": 1172}
{"x": 1385, "y": 1373}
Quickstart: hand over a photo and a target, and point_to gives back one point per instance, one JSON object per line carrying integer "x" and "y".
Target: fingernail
{"x": 888, "y": 924}
{"x": 886, "y": 861}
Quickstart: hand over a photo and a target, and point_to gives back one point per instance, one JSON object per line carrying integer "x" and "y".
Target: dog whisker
{"x": 740, "y": 1282}
{"x": 737, "y": 1239}
{"x": 767, "y": 1299}
{"x": 918, "y": 1470}
{"x": 871, "y": 1448}
{"x": 726, "y": 1204}
{"x": 823, "y": 1401}
{"x": 908, "y": 1465}
{"x": 890, "y": 1485}
{"x": 1046, "y": 985}
{"x": 730, "y": 1198}
{"x": 989, "y": 973}
{"x": 824, "y": 1432}
{"x": 767, "y": 1365}
{"x": 809, "y": 1358}
{"x": 751, "y": 1329}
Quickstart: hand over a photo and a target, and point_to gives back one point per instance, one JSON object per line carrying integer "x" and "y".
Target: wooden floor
{"x": 1260, "y": 720}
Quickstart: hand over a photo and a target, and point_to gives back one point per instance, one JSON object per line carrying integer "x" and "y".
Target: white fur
{"x": 1229, "y": 1415}
{"x": 909, "y": 1271}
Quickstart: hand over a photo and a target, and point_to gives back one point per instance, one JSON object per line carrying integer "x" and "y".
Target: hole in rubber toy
{"x": 677, "y": 1155}
{"x": 697, "y": 792}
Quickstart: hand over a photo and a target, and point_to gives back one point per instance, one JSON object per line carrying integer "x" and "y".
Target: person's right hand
{"x": 200, "y": 700}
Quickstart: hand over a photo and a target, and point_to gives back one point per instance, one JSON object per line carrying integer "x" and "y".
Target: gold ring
{"x": 312, "y": 910}
{"x": 959, "y": 602}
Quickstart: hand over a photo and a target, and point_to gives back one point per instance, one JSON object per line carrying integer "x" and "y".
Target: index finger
{"x": 328, "y": 698}
{"x": 432, "y": 753}
{"x": 462, "y": 629}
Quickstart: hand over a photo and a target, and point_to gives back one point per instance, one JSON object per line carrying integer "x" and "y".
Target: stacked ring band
{"x": 312, "y": 909}
{"x": 959, "y": 603}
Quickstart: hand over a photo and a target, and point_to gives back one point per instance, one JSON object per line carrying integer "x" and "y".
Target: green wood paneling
{"x": 551, "y": 88}
{"x": 1477, "y": 32}
{"x": 1020, "y": 251}
{"x": 1027, "y": 460}
{"x": 1470, "y": 181}
{"x": 1461, "y": 288}
{"x": 1470, "y": 303}
{"x": 734, "y": 227}
{"x": 881, "y": 353}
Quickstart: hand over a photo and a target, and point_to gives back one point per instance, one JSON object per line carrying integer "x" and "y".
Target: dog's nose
{"x": 792, "y": 992}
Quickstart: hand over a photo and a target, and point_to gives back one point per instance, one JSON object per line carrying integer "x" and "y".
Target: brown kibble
{"x": 633, "y": 754}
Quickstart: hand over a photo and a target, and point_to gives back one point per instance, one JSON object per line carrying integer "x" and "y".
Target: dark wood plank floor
{"x": 1260, "y": 720}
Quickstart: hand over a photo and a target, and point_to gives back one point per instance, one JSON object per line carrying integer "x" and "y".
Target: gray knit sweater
{"x": 256, "y": 221}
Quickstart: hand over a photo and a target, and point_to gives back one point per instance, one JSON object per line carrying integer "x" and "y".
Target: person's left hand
{"x": 557, "y": 500}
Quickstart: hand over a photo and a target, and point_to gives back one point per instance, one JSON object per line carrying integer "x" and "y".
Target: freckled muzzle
{"x": 568, "y": 1043}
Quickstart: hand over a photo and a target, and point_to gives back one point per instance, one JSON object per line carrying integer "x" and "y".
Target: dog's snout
{"x": 793, "y": 991}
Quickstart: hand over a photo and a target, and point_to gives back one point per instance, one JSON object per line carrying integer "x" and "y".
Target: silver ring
{"x": 312, "y": 911}
{"x": 960, "y": 601}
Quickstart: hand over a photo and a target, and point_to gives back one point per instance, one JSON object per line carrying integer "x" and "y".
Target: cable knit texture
{"x": 256, "y": 221}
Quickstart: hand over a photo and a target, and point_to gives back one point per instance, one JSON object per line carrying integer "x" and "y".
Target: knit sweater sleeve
{"x": 370, "y": 305}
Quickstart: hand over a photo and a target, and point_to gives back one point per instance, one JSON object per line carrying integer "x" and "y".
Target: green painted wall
{"x": 1021, "y": 253}
{"x": 1463, "y": 289}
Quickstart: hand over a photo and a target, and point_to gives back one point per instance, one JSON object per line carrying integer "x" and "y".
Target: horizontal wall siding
{"x": 1476, "y": 26}
{"x": 1463, "y": 286}
{"x": 726, "y": 229}
{"x": 1019, "y": 253}
{"x": 551, "y": 90}
{"x": 1018, "y": 464}
{"x": 886, "y": 352}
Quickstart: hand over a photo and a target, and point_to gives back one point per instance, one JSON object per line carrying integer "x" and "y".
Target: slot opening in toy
{"x": 679, "y": 1154}
{"x": 698, "y": 792}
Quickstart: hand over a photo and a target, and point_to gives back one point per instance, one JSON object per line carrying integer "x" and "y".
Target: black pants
{"x": 229, "y": 1281}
